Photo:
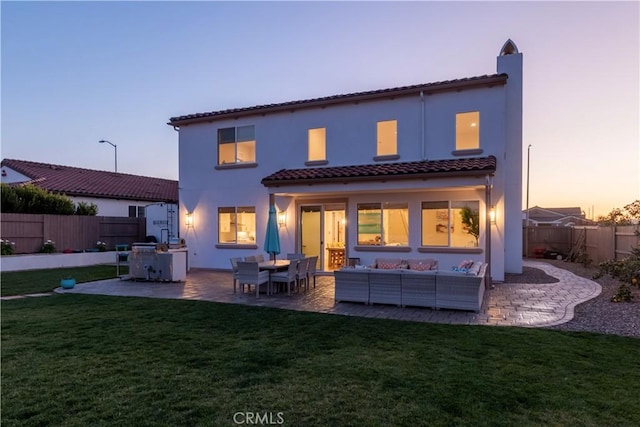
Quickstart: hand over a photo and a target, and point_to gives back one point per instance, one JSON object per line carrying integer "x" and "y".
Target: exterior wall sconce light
{"x": 188, "y": 219}
{"x": 282, "y": 218}
{"x": 492, "y": 215}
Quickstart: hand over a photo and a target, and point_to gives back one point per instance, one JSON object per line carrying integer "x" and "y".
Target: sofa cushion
{"x": 419, "y": 273}
{"x": 388, "y": 263}
{"x": 421, "y": 264}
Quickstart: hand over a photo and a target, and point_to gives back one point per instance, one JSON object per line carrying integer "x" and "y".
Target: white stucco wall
{"x": 351, "y": 140}
{"x": 9, "y": 176}
{"x": 512, "y": 65}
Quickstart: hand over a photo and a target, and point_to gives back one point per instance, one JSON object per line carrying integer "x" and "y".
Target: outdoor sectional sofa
{"x": 405, "y": 287}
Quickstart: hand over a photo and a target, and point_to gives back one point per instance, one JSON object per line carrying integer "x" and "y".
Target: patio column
{"x": 487, "y": 227}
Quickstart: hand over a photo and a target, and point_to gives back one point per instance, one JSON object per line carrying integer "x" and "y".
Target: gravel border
{"x": 598, "y": 314}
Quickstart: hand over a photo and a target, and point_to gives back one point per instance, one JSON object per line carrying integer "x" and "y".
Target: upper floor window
{"x": 237, "y": 145}
{"x": 317, "y": 144}
{"x": 387, "y": 138}
{"x": 237, "y": 224}
{"x": 468, "y": 130}
{"x": 384, "y": 224}
{"x": 452, "y": 224}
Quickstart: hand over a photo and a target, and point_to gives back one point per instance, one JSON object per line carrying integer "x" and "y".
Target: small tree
{"x": 34, "y": 200}
{"x": 619, "y": 216}
{"x": 86, "y": 209}
{"x": 471, "y": 220}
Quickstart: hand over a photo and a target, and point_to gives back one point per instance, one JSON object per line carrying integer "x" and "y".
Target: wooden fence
{"x": 74, "y": 232}
{"x": 600, "y": 243}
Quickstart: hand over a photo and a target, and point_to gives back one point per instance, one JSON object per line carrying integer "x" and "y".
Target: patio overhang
{"x": 383, "y": 172}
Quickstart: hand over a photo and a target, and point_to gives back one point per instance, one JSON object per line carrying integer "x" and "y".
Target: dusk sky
{"x": 77, "y": 72}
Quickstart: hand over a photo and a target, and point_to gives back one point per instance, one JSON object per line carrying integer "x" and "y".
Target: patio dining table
{"x": 279, "y": 264}
{"x": 272, "y": 267}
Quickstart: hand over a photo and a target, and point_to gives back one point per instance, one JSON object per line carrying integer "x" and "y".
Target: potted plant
{"x": 67, "y": 282}
{"x": 471, "y": 221}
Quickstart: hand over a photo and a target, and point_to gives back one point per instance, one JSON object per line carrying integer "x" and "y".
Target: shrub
{"x": 623, "y": 269}
{"x": 48, "y": 247}
{"x": 33, "y": 200}
{"x": 623, "y": 295}
{"x": 7, "y": 247}
{"x": 626, "y": 270}
{"x": 89, "y": 209}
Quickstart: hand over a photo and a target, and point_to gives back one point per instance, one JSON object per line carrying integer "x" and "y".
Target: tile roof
{"x": 427, "y": 88}
{"x": 74, "y": 181}
{"x": 383, "y": 171}
{"x": 538, "y": 213}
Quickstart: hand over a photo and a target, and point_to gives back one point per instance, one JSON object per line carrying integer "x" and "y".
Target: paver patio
{"x": 528, "y": 305}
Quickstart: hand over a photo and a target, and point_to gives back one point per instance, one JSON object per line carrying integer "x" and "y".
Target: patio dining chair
{"x": 295, "y": 256}
{"x": 251, "y": 258}
{"x": 288, "y": 276}
{"x": 249, "y": 274}
{"x": 259, "y": 258}
{"x": 302, "y": 277}
{"x": 234, "y": 268}
{"x": 313, "y": 267}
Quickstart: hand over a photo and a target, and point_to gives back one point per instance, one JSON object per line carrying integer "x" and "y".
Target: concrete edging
{"x": 57, "y": 260}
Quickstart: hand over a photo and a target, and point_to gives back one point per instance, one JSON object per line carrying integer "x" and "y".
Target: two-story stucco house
{"x": 384, "y": 173}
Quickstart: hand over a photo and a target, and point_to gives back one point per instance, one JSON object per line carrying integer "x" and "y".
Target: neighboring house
{"x": 383, "y": 173}
{"x": 558, "y": 217}
{"x": 115, "y": 194}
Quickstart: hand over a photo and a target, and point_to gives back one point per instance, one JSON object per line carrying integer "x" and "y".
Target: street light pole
{"x": 526, "y": 240}
{"x": 115, "y": 148}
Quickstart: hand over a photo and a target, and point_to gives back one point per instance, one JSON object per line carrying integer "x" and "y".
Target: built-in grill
{"x": 156, "y": 262}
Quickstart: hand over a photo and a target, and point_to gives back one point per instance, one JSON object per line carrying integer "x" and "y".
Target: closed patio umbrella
{"x": 272, "y": 239}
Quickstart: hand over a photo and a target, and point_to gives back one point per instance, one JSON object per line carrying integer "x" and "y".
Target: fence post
{"x": 614, "y": 246}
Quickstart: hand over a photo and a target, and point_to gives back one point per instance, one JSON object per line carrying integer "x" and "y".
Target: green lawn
{"x": 78, "y": 360}
{"x": 36, "y": 281}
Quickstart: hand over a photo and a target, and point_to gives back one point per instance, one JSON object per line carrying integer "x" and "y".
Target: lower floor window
{"x": 137, "y": 211}
{"x": 237, "y": 224}
{"x": 383, "y": 224}
{"x": 451, "y": 223}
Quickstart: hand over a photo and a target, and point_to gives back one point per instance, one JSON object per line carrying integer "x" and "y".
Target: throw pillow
{"x": 420, "y": 266}
{"x": 387, "y": 265}
{"x": 465, "y": 264}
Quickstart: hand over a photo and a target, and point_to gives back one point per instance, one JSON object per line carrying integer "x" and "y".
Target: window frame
{"x": 449, "y": 215}
{"x": 233, "y": 223}
{"x": 464, "y": 151}
{"x": 225, "y": 140}
{"x": 377, "y": 228}
{"x": 380, "y": 133}
{"x": 323, "y": 149}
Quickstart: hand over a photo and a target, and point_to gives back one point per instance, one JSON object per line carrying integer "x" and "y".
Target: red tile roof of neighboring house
{"x": 74, "y": 181}
{"x": 426, "y": 88}
{"x": 383, "y": 171}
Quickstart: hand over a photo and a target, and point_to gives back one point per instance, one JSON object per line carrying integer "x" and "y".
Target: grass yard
{"x": 37, "y": 281}
{"x": 78, "y": 360}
